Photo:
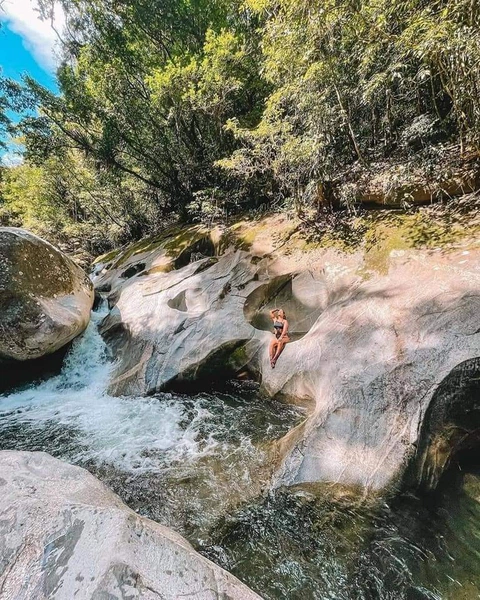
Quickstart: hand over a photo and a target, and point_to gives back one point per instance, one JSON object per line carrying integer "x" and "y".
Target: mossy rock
{"x": 237, "y": 359}
{"x": 107, "y": 257}
{"x": 173, "y": 241}
{"x": 380, "y": 243}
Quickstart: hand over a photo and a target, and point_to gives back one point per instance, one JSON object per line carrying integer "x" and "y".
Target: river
{"x": 202, "y": 464}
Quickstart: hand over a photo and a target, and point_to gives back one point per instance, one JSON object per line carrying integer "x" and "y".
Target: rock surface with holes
{"x": 64, "y": 535}
{"x": 371, "y": 345}
{"x": 197, "y": 320}
{"x": 45, "y": 298}
{"x": 170, "y": 328}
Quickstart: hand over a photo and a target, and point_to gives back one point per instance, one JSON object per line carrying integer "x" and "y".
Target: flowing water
{"x": 201, "y": 464}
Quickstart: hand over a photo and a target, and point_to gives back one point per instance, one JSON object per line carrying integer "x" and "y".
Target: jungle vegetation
{"x": 201, "y": 109}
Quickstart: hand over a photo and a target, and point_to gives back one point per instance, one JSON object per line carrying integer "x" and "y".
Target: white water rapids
{"x": 182, "y": 460}
{"x": 123, "y": 432}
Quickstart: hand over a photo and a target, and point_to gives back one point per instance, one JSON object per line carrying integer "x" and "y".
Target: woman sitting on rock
{"x": 280, "y": 328}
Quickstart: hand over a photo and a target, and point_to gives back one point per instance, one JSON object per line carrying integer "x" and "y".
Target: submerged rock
{"x": 64, "y": 535}
{"x": 373, "y": 338}
{"x": 45, "y": 298}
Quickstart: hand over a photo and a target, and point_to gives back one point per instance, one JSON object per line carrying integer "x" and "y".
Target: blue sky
{"x": 27, "y": 45}
{"x": 16, "y": 60}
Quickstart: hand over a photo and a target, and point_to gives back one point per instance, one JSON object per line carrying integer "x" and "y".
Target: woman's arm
{"x": 285, "y": 329}
{"x": 273, "y": 313}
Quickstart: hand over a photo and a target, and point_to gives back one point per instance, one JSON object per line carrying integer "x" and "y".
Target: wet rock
{"x": 45, "y": 298}
{"x": 64, "y": 535}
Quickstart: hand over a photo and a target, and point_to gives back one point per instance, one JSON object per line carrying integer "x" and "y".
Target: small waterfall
{"x": 172, "y": 457}
{"x": 118, "y": 431}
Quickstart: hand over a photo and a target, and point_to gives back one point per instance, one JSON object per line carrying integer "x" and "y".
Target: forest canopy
{"x": 199, "y": 109}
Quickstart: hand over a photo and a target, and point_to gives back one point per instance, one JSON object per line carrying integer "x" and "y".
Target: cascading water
{"x": 200, "y": 464}
{"x": 182, "y": 460}
{"x": 75, "y": 405}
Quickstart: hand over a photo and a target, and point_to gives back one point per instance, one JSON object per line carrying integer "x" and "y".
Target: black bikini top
{"x": 277, "y": 325}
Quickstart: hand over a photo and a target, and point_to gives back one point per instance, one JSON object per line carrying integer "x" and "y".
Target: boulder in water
{"x": 177, "y": 310}
{"x": 173, "y": 328}
{"x": 64, "y": 535}
{"x": 45, "y": 298}
{"x": 180, "y": 317}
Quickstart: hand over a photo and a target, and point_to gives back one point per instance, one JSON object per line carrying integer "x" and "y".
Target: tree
{"x": 168, "y": 108}
{"x": 146, "y": 93}
{"x": 350, "y": 78}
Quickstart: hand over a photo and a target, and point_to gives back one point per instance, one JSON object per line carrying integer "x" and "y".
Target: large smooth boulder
{"x": 171, "y": 328}
{"x": 391, "y": 367}
{"x": 45, "y": 298}
{"x": 64, "y": 535}
{"x": 375, "y": 337}
{"x": 191, "y": 309}
{"x": 177, "y": 311}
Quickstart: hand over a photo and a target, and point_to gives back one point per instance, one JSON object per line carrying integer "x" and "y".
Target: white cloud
{"x": 11, "y": 159}
{"x": 39, "y": 37}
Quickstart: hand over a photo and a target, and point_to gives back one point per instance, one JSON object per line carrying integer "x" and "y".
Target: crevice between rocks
{"x": 450, "y": 432}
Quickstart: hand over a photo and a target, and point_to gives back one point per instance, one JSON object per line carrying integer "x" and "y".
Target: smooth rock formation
{"x": 64, "y": 535}
{"x": 374, "y": 364}
{"x": 373, "y": 340}
{"x": 45, "y": 298}
{"x": 172, "y": 327}
{"x": 174, "y": 321}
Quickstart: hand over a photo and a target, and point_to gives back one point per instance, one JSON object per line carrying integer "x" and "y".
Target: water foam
{"x": 128, "y": 433}
{"x": 181, "y": 460}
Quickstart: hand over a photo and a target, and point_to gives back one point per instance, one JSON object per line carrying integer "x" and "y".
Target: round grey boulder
{"x": 45, "y": 298}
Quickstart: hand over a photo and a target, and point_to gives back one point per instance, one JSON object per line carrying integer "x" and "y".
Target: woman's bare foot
{"x": 272, "y": 364}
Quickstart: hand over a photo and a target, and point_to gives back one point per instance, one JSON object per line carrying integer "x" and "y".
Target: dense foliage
{"x": 198, "y": 108}
{"x": 359, "y": 79}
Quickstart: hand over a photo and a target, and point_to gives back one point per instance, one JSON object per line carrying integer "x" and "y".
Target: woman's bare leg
{"x": 272, "y": 349}
{"x": 280, "y": 348}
